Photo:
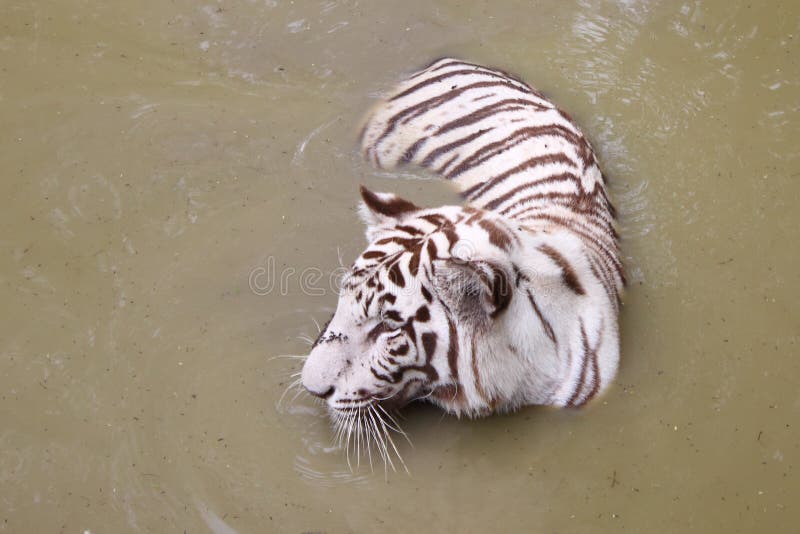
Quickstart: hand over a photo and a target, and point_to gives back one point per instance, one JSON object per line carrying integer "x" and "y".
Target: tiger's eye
{"x": 381, "y": 328}
{"x": 392, "y": 316}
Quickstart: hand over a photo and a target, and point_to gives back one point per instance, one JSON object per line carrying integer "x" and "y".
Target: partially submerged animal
{"x": 509, "y": 300}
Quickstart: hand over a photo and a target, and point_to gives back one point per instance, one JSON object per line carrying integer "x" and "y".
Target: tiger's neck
{"x": 556, "y": 344}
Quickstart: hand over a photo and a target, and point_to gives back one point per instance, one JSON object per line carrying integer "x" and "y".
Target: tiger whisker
{"x": 362, "y": 422}
{"x": 319, "y": 328}
{"x": 363, "y": 432}
{"x": 347, "y": 440}
{"x": 344, "y": 418}
{"x": 355, "y": 436}
{"x": 293, "y": 384}
{"x": 358, "y": 437}
{"x": 339, "y": 255}
{"x": 369, "y": 436}
{"x": 351, "y": 438}
{"x": 387, "y": 460}
{"x": 289, "y": 356}
{"x": 422, "y": 397}
{"x": 362, "y": 426}
{"x": 291, "y": 372}
{"x": 339, "y": 429}
{"x": 392, "y": 443}
{"x": 396, "y": 426}
{"x": 335, "y": 427}
{"x": 305, "y": 339}
{"x": 382, "y": 432}
{"x": 383, "y": 398}
{"x": 300, "y": 391}
{"x": 340, "y": 426}
{"x": 399, "y": 456}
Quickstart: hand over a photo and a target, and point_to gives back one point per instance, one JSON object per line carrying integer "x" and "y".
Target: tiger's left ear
{"x": 382, "y": 210}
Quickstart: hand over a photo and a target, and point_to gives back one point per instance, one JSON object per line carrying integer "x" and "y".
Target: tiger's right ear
{"x": 477, "y": 291}
{"x": 381, "y": 211}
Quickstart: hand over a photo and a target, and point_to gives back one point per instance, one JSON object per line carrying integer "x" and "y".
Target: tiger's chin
{"x": 452, "y": 399}
{"x": 448, "y": 394}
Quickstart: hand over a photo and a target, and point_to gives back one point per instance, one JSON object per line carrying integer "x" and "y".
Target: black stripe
{"x": 568, "y": 273}
{"x": 446, "y": 75}
{"x": 566, "y": 176}
{"x": 510, "y": 104}
{"x": 416, "y": 110}
{"x": 547, "y": 159}
{"x": 516, "y": 137}
{"x": 548, "y": 329}
{"x": 453, "y": 145}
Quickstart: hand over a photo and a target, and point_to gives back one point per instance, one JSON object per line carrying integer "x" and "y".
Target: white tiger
{"x": 509, "y": 300}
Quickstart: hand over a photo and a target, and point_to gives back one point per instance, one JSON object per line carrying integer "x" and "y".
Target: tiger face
{"x": 419, "y": 284}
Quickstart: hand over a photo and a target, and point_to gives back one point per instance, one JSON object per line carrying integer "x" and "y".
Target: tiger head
{"x": 421, "y": 287}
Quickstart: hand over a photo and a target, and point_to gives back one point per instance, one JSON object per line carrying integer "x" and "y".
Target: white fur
{"x": 507, "y": 359}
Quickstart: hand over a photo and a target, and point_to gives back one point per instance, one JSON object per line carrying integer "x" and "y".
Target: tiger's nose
{"x": 322, "y": 395}
{"x": 322, "y": 369}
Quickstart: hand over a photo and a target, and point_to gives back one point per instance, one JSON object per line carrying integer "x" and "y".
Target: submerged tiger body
{"x": 509, "y": 300}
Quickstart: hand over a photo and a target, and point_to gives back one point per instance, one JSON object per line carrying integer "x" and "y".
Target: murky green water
{"x": 157, "y": 154}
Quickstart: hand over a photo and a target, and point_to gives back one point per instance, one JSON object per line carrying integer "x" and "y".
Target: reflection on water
{"x": 331, "y": 479}
{"x": 156, "y": 154}
{"x": 215, "y": 523}
{"x": 318, "y": 459}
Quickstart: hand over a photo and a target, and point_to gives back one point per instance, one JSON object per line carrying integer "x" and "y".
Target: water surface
{"x": 158, "y": 154}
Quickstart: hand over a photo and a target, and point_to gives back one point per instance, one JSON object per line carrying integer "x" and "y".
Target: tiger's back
{"x": 506, "y": 147}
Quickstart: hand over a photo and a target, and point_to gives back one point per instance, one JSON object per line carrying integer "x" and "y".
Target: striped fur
{"x": 509, "y": 300}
